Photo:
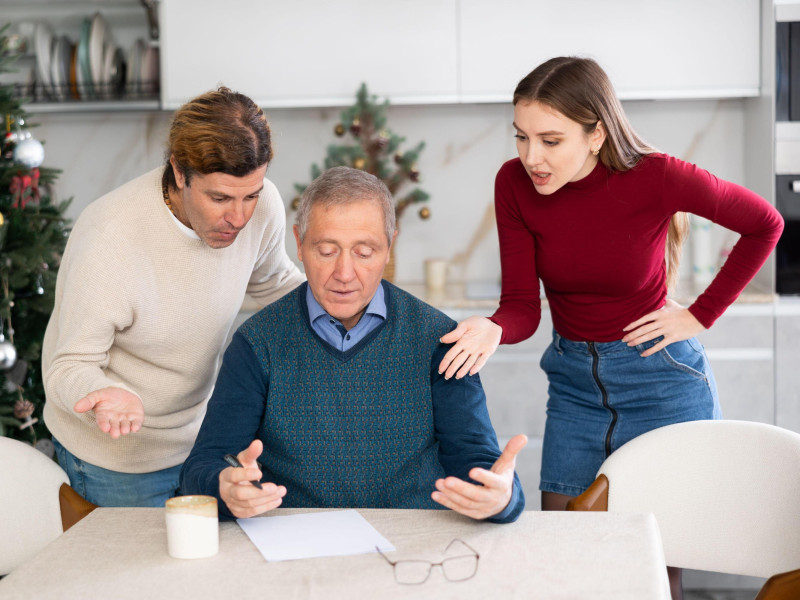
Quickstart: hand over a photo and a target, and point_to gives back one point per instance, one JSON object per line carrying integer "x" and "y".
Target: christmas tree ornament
{"x": 355, "y": 127}
{"x": 46, "y": 447}
{"x": 23, "y": 409}
{"x": 8, "y": 354}
{"x": 29, "y": 153}
{"x": 398, "y": 158}
{"x": 295, "y": 202}
{"x": 413, "y": 174}
{"x": 9, "y": 142}
{"x": 383, "y": 139}
{"x": 339, "y": 130}
{"x": 424, "y": 213}
{"x": 359, "y": 163}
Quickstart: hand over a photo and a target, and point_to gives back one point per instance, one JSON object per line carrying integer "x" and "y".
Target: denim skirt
{"x": 603, "y": 394}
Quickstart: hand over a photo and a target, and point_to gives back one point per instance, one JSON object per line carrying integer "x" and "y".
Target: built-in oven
{"x": 787, "y": 254}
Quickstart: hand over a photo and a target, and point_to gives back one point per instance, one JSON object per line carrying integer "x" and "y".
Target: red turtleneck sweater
{"x": 598, "y": 245}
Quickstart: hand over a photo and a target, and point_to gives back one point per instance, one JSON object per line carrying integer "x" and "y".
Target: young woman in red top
{"x": 599, "y": 217}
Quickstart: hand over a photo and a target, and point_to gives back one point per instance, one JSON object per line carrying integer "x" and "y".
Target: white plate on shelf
{"x": 44, "y": 51}
{"x": 149, "y": 70}
{"x": 83, "y": 69}
{"x": 108, "y": 65}
{"x": 97, "y": 41}
{"x": 58, "y": 74}
{"x": 134, "y": 75}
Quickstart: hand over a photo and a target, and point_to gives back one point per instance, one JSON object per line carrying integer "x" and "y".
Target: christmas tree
{"x": 33, "y": 233}
{"x": 374, "y": 148}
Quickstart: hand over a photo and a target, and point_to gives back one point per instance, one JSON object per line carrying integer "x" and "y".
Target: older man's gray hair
{"x": 344, "y": 185}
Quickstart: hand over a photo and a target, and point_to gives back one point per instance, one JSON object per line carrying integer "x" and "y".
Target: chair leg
{"x": 73, "y": 506}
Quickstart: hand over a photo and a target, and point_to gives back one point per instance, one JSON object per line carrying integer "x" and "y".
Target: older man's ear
{"x": 296, "y": 231}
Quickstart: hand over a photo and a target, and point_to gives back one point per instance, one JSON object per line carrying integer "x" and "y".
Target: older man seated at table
{"x": 332, "y": 394}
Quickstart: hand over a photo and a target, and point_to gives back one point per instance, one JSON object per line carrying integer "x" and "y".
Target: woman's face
{"x": 554, "y": 149}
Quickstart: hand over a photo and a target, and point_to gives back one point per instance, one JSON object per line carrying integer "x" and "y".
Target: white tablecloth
{"x": 122, "y": 553}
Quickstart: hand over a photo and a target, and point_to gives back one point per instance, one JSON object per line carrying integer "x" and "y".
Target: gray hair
{"x": 343, "y": 185}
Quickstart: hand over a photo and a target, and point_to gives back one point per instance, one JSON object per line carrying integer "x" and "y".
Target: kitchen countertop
{"x": 480, "y": 296}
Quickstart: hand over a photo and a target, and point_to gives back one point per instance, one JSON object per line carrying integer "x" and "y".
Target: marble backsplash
{"x": 465, "y": 145}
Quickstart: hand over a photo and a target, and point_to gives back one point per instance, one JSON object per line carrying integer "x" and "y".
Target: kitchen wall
{"x": 465, "y": 145}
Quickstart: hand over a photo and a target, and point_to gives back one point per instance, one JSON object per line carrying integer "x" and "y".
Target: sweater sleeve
{"x": 234, "y": 415}
{"x": 520, "y": 305}
{"x": 93, "y": 302}
{"x": 694, "y": 190}
{"x": 274, "y": 274}
{"x": 465, "y": 433}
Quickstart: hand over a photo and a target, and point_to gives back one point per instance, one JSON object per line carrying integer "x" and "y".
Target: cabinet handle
{"x": 796, "y": 186}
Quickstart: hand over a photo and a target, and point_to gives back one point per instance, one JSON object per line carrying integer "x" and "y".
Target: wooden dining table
{"x": 121, "y": 553}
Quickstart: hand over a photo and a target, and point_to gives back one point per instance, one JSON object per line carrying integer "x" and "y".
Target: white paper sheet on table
{"x": 332, "y": 533}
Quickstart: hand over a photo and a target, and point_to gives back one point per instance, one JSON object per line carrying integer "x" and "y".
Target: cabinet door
{"x": 649, "y": 48}
{"x": 307, "y": 52}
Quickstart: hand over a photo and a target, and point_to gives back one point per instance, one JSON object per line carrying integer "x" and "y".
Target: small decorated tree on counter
{"x": 374, "y": 148}
{"x": 33, "y": 234}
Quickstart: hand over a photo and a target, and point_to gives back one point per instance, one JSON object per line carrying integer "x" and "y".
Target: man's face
{"x": 217, "y": 206}
{"x": 344, "y": 252}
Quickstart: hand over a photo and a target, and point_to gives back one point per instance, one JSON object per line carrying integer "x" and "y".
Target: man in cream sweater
{"x": 151, "y": 281}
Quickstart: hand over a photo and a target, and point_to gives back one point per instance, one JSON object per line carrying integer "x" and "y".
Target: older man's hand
{"x": 242, "y": 497}
{"x": 490, "y": 498}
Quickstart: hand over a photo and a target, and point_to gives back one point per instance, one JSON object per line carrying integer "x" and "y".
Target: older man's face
{"x": 344, "y": 252}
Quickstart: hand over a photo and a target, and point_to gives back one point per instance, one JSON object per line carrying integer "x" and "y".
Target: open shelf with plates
{"x": 86, "y": 55}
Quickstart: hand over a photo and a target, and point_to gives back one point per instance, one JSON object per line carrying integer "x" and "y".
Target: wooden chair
{"x": 38, "y": 503}
{"x": 725, "y": 494}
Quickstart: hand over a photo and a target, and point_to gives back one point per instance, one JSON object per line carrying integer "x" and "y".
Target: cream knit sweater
{"x": 142, "y": 306}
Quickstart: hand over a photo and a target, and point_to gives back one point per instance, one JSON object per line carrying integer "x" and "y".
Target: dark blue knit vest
{"x": 355, "y": 428}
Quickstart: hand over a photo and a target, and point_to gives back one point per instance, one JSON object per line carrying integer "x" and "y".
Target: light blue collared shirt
{"x": 332, "y": 331}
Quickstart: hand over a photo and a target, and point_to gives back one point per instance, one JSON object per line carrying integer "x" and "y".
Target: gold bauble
{"x": 424, "y": 213}
{"x": 359, "y": 163}
{"x": 339, "y": 129}
{"x": 295, "y": 202}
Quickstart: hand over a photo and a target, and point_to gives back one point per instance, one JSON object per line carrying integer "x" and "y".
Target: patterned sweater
{"x": 371, "y": 427}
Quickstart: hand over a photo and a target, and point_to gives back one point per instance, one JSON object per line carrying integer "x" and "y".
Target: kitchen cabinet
{"x": 309, "y": 53}
{"x": 650, "y": 49}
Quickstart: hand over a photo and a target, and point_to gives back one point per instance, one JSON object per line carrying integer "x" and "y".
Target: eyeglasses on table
{"x": 454, "y": 568}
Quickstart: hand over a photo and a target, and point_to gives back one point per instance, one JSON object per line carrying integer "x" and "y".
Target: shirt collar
{"x": 376, "y": 306}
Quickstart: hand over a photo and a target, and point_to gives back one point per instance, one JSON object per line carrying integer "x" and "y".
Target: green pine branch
{"x": 370, "y": 145}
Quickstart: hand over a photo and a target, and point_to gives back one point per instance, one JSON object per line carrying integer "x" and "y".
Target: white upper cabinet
{"x": 651, "y": 49}
{"x": 309, "y": 52}
{"x": 317, "y": 53}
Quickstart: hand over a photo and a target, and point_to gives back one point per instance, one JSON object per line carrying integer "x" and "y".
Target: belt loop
{"x": 557, "y": 341}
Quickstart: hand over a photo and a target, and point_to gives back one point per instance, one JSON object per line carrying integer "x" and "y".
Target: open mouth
{"x": 540, "y": 178}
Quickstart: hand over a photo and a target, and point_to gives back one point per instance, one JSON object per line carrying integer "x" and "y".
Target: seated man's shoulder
{"x": 418, "y": 311}
{"x": 284, "y": 310}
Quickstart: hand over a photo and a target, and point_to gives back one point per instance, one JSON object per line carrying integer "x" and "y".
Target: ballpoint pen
{"x": 234, "y": 462}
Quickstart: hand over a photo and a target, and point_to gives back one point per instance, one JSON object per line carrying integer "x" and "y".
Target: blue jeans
{"x": 604, "y": 394}
{"x": 111, "y": 488}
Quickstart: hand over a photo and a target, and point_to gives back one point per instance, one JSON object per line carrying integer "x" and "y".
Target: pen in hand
{"x": 234, "y": 462}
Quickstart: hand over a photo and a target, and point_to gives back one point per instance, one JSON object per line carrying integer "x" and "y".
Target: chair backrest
{"x": 29, "y": 497}
{"x": 726, "y": 494}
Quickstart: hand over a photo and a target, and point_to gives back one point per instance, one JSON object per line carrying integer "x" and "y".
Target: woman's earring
{"x": 596, "y": 150}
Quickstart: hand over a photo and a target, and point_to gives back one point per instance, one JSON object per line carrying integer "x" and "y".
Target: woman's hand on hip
{"x": 475, "y": 340}
{"x": 674, "y": 322}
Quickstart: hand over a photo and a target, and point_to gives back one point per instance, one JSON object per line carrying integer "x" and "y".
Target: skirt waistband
{"x": 562, "y": 344}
